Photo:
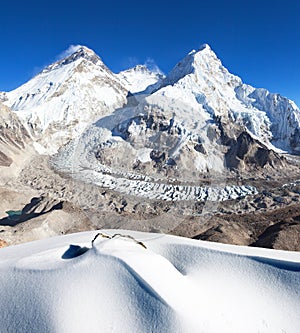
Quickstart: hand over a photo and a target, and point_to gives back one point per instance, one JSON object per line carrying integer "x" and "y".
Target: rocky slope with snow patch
{"x": 13, "y": 136}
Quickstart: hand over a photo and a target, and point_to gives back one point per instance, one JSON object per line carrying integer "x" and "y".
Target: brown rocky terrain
{"x": 51, "y": 204}
{"x": 15, "y": 145}
{"x": 13, "y": 136}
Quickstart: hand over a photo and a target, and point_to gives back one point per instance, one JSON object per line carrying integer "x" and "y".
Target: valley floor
{"x": 53, "y": 204}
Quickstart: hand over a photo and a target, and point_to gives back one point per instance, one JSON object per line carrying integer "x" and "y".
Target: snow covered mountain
{"x": 202, "y": 81}
{"x": 138, "y": 78}
{"x": 58, "y": 103}
{"x": 199, "y": 119}
{"x": 146, "y": 282}
{"x": 71, "y": 93}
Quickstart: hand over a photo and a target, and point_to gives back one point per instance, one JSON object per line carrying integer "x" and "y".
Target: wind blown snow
{"x": 157, "y": 283}
{"x": 70, "y": 50}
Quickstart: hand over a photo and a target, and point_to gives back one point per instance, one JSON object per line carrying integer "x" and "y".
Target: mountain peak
{"x": 205, "y": 47}
{"x": 200, "y": 60}
{"x": 138, "y": 68}
{"x": 80, "y": 52}
{"x": 139, "y": 77}
{"x": 144, "y": 69}
{"x": 202, "y": 49}
{"x": 204, "y": 54}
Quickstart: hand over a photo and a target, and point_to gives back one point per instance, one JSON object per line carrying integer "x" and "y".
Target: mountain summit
{"x": 198, "y": 62}
{"x": 82, "y": 52}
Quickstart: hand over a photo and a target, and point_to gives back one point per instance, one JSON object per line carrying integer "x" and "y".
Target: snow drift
{"x": 154, "y": 284}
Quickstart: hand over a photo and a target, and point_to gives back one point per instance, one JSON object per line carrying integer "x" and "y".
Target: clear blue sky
{"x": 257, "y": 40}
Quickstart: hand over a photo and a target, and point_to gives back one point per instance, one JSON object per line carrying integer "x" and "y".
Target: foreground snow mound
{"x": 152, "y": 283}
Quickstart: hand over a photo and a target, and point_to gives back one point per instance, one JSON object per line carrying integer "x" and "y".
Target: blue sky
{"x": 257, "y": 40}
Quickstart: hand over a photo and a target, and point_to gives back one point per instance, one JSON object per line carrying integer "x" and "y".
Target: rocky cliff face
{"x": 13, "y": 136}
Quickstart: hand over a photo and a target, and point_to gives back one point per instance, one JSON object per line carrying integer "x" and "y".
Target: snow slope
{"x": 138, "y": 78}
{"x": 175, "y": 284}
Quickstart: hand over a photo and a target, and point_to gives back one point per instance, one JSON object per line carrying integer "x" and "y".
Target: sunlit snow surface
{"x": 137, "y": 79}
{"x": 175, "y": 285}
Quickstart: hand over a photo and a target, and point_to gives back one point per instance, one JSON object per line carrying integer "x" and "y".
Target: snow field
{"x": 174, "y": 285}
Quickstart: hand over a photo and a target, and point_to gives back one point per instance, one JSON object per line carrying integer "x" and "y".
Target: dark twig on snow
{"x": 118, "y": 235}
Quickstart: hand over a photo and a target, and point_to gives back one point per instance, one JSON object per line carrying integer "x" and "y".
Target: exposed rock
{"x": 245, "y": 153}
{"x": 199, "y": 148}
{"x": 226, "y": 232}
{"x": 3, "y": 96}
{"x": 3, "y": 243}
{"x": 282, "y": 235}
{"x": 13, "y": 136}
{"x": 5, "y": 160}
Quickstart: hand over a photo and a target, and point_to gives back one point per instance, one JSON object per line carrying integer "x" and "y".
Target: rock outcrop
{"x": 13, "y": 136}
